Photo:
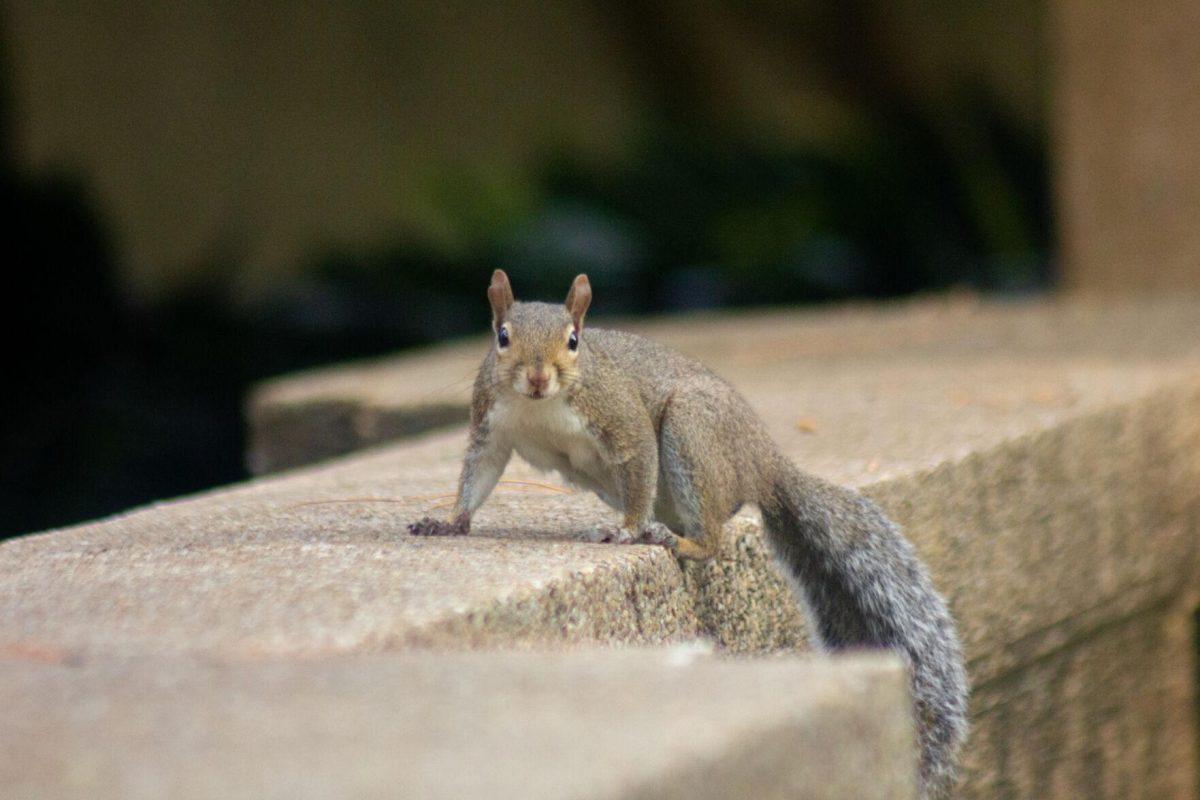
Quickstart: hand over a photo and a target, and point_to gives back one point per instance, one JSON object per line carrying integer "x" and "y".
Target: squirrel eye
{"x": 573, "y": 341}
{"x": 502, "y": 337}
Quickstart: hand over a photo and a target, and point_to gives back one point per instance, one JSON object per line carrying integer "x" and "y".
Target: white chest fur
{"x": 551, "y": 435}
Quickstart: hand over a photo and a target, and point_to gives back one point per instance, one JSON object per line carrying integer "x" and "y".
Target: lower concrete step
{"x": 526, "y": 726}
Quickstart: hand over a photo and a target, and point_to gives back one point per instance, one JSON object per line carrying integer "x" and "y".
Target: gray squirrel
{"x": 677, "y": 451}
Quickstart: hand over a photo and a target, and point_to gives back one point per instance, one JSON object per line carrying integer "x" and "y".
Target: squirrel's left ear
{"x": 578, "y": 300}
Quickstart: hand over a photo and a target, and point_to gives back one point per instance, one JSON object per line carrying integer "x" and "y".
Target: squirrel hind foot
{"x": 683, "y": 547}
{"x": 659, "y": 534}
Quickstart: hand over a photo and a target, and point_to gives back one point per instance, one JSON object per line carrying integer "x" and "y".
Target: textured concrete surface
{"x": 1043, "y": 458}
{"x": 590, "y": 725}
{"x": 1011, "y": 471}
{"x": 1110, "y": 714}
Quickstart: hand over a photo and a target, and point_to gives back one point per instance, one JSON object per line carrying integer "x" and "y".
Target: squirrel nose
{"x": 539, "y": 379}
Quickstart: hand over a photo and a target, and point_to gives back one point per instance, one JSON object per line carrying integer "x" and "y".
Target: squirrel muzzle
{"x": 540, "y": 383}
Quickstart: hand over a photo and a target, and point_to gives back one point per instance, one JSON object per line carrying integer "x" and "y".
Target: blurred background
{"x": 199, "y": 196}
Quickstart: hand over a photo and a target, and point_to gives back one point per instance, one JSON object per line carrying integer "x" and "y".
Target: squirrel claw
{"x": 438, "y": 527}
{"x": 655, "y": 533}
{"x": 609, "y": 534}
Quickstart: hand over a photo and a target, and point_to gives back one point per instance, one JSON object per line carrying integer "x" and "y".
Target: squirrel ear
{"x": 500, "y": 295}
{"x": 578, "y": 299}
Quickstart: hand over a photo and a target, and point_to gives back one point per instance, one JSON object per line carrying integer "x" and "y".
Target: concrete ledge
{"x": 1044, "y": 459}
{"x": 300, "y": 419}
{"x": 598, "y": 725}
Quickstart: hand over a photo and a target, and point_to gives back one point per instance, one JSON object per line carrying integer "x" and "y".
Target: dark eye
{"x": 502, "y": 337}
{"x": 573, "y": 341}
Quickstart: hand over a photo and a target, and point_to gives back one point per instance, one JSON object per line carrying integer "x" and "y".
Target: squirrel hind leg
{"x": 697, "y": 495}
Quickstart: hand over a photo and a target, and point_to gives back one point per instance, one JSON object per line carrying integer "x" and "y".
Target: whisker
{"x": 457, "y": 382}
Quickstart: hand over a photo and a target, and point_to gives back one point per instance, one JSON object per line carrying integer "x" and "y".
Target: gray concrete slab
{"x": 973, "y": 452}
{"x": 633, "y": 724}
{"x": 1042, "y": 458}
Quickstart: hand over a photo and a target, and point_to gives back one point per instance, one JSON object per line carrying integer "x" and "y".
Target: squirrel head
{"x": 537, "y": 344}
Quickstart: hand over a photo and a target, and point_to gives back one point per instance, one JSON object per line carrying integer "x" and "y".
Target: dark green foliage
{"x": 916, "y": 203}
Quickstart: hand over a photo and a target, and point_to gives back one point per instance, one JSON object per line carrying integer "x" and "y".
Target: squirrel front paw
{"x": 659, "y": 534}
{"x": 609, "y": 534}
{"x": 653, "y": 533}
{"x": 430, "y": 526}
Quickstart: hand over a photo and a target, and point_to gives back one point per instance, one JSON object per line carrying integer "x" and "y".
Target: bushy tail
{"x": 865, "y": 587}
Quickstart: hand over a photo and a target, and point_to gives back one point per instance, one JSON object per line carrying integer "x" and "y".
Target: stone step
{"x": 1043, "y": 458}
{"x": 308, "y": 417}
{"x": 609, "y": 724}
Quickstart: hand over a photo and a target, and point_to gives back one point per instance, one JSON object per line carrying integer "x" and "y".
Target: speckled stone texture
{"x": 604, "y": 724}
{"x": 1106, "y": 715}
{"x": 1044, "y": 459}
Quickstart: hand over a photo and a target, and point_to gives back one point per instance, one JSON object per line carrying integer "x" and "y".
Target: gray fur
{"x": 666, "y": 442}
{"x": 865, "y": 587}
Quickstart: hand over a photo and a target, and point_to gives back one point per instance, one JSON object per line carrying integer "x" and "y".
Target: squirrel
{"x": 678, "y": 451}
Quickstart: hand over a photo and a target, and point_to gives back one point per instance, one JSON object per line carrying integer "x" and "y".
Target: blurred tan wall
{"x": 1127, "y": 152}
{"x": 252, "y": 133}
{"x": 259, "y": 130}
